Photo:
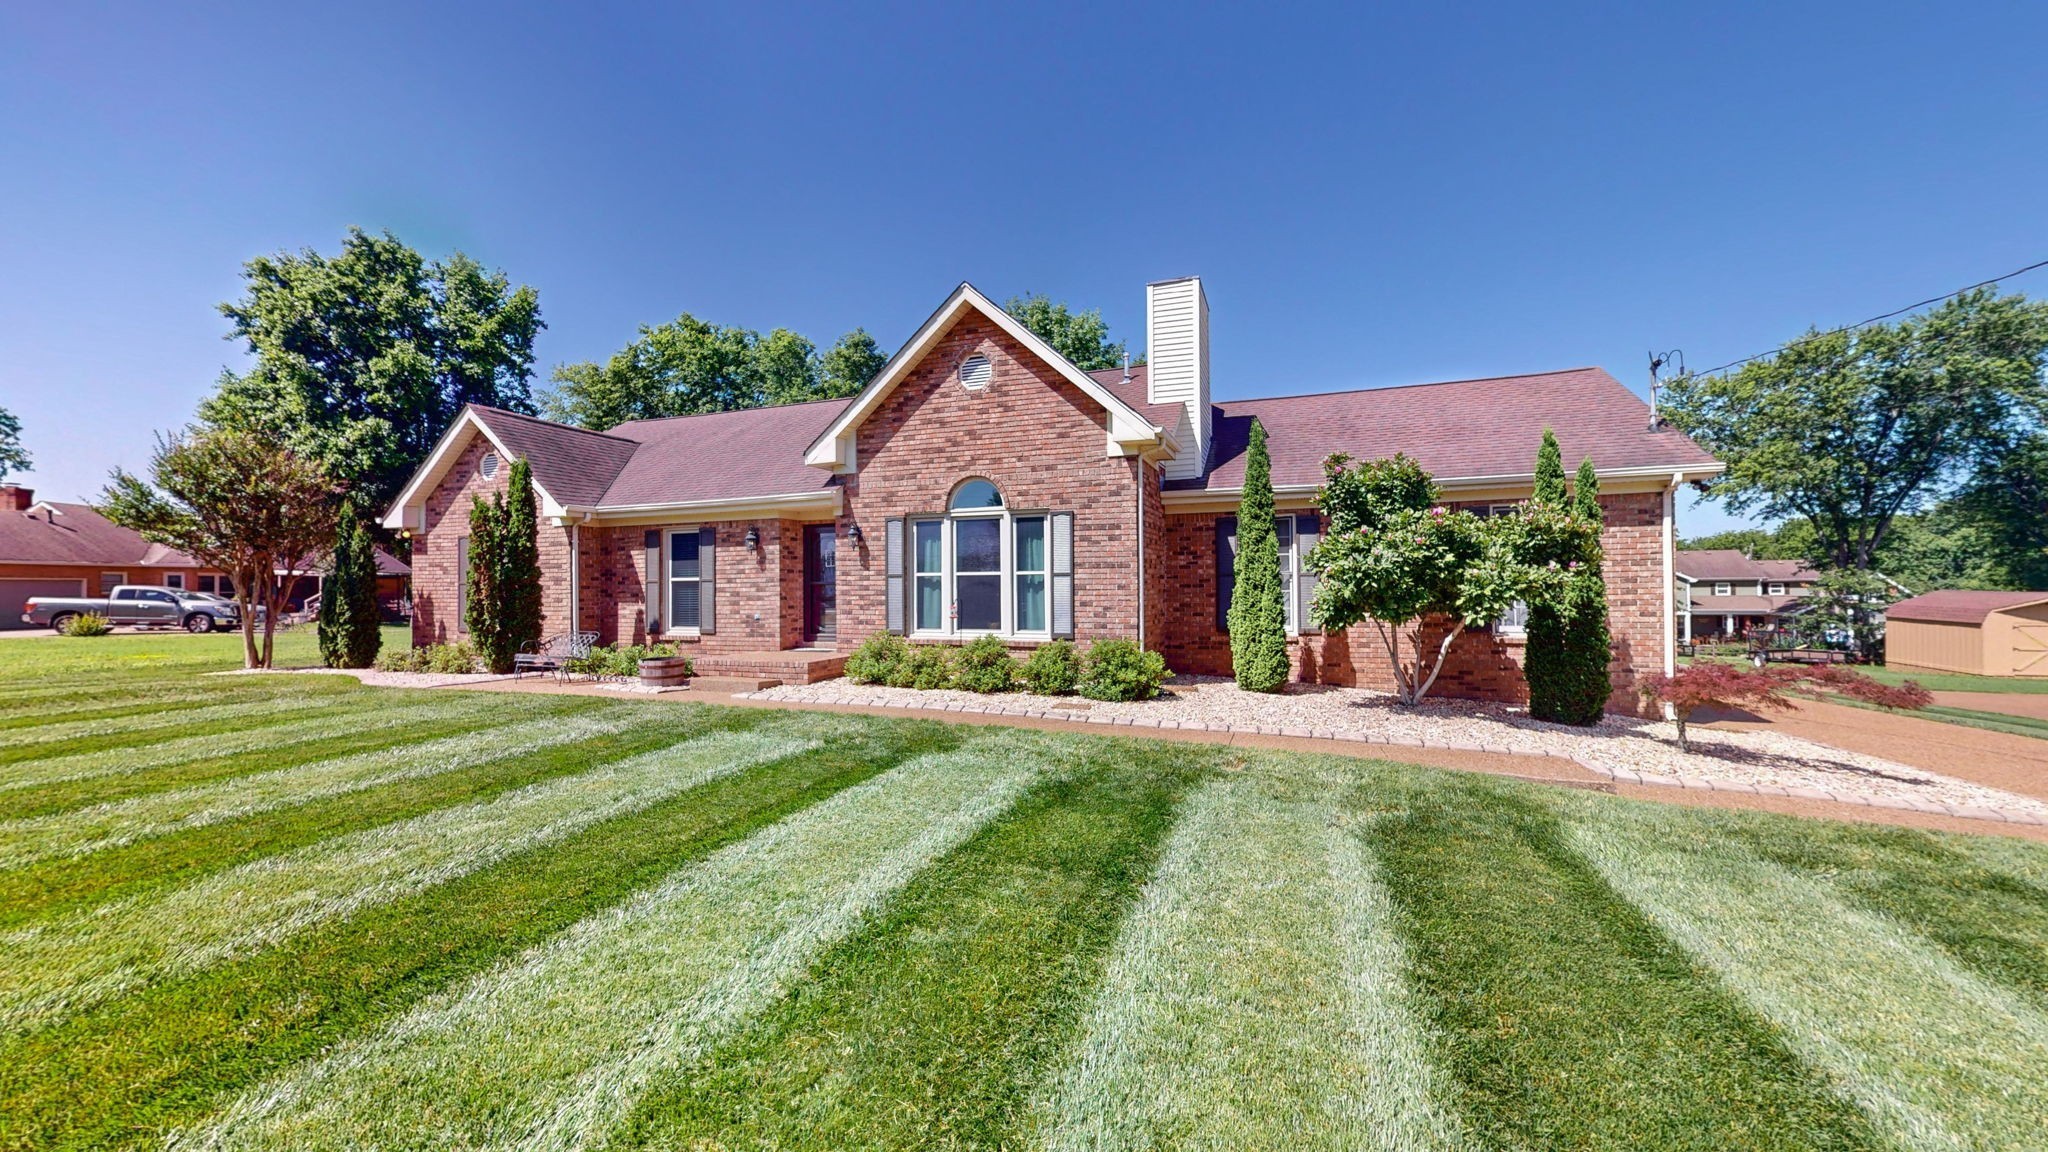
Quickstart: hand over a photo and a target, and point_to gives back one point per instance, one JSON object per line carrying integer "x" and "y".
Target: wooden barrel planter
{"x": 665, "y": 672}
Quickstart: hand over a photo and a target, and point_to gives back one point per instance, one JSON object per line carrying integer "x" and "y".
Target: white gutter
{"x": 1669, "y": 567}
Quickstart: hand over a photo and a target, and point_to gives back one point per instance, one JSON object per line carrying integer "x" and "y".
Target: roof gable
{"x": 571, "y": 466}
{"x": 833, "y": 449}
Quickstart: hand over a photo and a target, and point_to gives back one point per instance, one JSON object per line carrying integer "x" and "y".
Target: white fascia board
{"x": 441, "y": 459}
{"x": 822, "y": 502}
{"x": 833, "y": 449}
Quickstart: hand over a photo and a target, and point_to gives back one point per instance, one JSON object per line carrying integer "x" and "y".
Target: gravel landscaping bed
{"x": 1620, "y": 747}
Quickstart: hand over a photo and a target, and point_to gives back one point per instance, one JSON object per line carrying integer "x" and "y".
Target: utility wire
{"x": 1872, "y": 320}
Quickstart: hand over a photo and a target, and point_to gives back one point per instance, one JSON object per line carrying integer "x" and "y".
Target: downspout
{"x": 1141, "y": 549}
{"x": 1670, "y": 551}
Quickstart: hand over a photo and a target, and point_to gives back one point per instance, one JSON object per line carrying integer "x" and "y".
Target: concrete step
{"x": 732, "y": 683}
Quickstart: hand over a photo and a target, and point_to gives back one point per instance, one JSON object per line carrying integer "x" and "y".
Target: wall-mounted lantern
{"x": 753, "y": 538}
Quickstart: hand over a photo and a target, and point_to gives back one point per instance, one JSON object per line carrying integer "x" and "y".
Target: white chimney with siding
{"x": 1177, "y": 365}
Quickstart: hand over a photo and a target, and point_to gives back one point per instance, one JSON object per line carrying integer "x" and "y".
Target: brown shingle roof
{"x": 574, "y": 465}
{"x": 1959, "y": 606}
{"x": 78, "y": 535}
{"x": 1743, "y": 605}
{"x": 1730, "y": 564}
{"x": 1456, "y": 429}
{"x": 723, "y": 455}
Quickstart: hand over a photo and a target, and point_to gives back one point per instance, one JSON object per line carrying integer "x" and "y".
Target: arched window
{"x": 982, "y": 568}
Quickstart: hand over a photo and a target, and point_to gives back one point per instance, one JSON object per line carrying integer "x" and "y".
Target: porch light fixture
{"x": 753, "y": 538}
{"x": 853, "y": 535}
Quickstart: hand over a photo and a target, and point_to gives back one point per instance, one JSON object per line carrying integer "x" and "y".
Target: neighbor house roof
{"x": 76, "y": 534}
{"x": 1457, "y": 430}
{"x": 1742, "y": 605}
{"x": 1731, "y": 564}
{"x": 1959, "y": 606}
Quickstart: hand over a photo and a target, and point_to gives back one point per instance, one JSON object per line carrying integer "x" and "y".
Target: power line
{"x": 1873, "y": 319}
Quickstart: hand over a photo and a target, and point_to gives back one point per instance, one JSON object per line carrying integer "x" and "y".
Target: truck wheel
{"x": 199, "y": 623}
{"x": 61, "y": 622}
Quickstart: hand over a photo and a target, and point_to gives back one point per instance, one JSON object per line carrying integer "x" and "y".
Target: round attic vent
{"x": 489, "y": 465}
{"x": 976, "y": 371}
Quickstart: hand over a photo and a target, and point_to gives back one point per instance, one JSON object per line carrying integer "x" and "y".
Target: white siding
{"x": 1177, "y": 363}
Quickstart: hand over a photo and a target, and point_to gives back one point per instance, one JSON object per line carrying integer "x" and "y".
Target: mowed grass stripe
{"x": 53, "y": 969}
{"x": 163, "y": 862}
{"x": 98, "y": 777}
{"x": 168, "y": 1055}
{"x": 551, "y": 1049}
{"x": 31, "y": 713}
{"x": 84, "y": 735}
{"x": 1940, "y": 1057}
{"x": 933, "y": 1026}
{"x": 1562, "y": 1015}
{"x": 1257, "y": 997}
{"x": 86, "y": 830}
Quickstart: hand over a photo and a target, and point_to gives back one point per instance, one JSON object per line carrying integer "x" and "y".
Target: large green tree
{"x": 1258, "y": 606}
{"x": 13, "y": 457}
{"x": 688, "y": 366}
{"x": 1850, "y": 430}
{"x": 1082, "y": 337}
{"x": 237, "y": 501}
{"x": 363, "y": 358}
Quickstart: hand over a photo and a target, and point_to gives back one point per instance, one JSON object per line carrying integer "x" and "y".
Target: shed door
{"x": 2030, "y": 648}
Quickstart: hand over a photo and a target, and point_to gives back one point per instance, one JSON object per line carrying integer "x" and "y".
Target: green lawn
{"x": 267, "y": 912}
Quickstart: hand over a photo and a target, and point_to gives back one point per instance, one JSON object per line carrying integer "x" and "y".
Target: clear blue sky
{"x": 1372, "y": 197}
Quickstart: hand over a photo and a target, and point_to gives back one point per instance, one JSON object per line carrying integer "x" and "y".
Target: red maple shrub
{"x": 1712, "y": 684}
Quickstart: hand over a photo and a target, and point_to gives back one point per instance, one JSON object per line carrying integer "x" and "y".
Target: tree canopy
{"x": 13, "y": 457}
{"x": 362, "y": 359}
{"x": 1082, "y": 337}
{"x": 688, "y": 366}
{"x": 1850, "y": 430}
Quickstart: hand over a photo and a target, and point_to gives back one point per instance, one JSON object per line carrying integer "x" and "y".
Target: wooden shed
{"x": 1984, "y": 633}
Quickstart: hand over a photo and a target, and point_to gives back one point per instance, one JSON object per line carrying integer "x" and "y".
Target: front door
{"x": 821, "y": 568}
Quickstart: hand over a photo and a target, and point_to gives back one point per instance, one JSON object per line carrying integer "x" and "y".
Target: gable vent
{"x": 976, "y": 371}
{"x": 489, "y": 465}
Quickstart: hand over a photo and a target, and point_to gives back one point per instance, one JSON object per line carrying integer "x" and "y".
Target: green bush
{"x": 985, "y": 666}
{"x": 350, "y": 627}
{"x": 878, "y": 660}
{"x": 1053, "y": 670}
{"x": 443, "y": 658}
{"x": 88, "y": 624}
{"x": 928, "y": 667}
{"x": 620, "y": 662}
{"x": 1120, "y": 670}
{"x": 1258, "y": 602}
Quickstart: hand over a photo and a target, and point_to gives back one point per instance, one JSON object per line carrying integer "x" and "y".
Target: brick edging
{"x": 1618, "y": 775}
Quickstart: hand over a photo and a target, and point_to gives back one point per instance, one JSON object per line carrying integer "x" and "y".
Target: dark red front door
{"x": 821, "y": 565}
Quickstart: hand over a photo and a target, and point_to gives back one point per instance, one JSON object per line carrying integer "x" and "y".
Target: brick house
{"x": 981, "y": 483}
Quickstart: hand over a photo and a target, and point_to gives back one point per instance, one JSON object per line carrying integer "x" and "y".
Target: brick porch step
{"x": 732, "y": 684}
{"x": 793, "y": 666}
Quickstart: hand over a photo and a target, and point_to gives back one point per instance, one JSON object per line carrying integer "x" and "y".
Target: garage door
{"x": 14, "y": 592}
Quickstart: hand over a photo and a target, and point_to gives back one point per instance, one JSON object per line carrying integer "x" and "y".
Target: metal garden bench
{"x": 553, "y": 654}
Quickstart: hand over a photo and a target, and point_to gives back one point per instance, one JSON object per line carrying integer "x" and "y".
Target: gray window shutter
{"x": 1063, "y": 575}
{"x": 1308, "y": 529}
{"x": 1226, "y": 569}
{"x": 893, "y": 546}
{"x": 651, "y": 543}
{"x": 707, "y": 581}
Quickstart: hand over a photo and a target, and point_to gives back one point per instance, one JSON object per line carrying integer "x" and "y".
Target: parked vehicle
{"x": 140, "y": 605}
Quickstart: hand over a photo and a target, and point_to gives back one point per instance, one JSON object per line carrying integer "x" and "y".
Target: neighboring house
{"x": 1722, "y": 594}
{"x": 1955, "y": 630}
{"x": 982, "y": 484}
{"x": 394, "y": 585}
{"x": 53, "y": 549}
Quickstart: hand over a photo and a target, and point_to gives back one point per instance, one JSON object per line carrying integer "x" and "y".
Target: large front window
{"x": 981, "y": 568}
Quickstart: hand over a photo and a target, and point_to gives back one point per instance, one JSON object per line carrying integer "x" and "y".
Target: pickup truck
{"x": 141, "y": 605}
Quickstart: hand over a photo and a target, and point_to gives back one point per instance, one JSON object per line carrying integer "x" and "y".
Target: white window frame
{"x": 106, "y": 588}
{"x": 1290, "y": 567}
{"x": 1516, "y": 623}
{"x": 1777, "y": 589}
{"x": 1723, "y": 588}
{"x": 669, "y": 580}
{"x": 175, "y": 581}
{"x": 1006, "y": 574}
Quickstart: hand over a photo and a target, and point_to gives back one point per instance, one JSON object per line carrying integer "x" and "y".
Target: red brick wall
{"x": 1039, "y": 439}
{"x": 758, "y": 595}
{"x": 136, "y": 574}
{"x": 435, "y": 581}
{"x": 1479, "y": 666}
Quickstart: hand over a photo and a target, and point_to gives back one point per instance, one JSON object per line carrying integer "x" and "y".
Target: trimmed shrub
{"x": 87, "y": 624}
{"x": 621, "y": 662}
{"x": 1053, "y": 670}
{"x": 878, "y": 659}
{"x": 1120, "y": 670}
{"x": 928, "y": 667}
{"x": 985, "y": 666}
{"x": 1258, "y": 606}
{"x": 443, "y": 658}
{"x": 349, "y": 629}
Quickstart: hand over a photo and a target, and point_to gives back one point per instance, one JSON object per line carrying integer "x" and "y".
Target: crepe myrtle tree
{"x": 1421, "y": 573}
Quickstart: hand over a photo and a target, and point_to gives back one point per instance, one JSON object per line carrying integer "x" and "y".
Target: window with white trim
{"x": 1515, "y": 622}
{"x": 980, "y": 569}
{"x": 1777, "y": 589}
{"x": 174, "y": 580}
{"x": 685, "y": 581}
{"x": 1723, "y": 588}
